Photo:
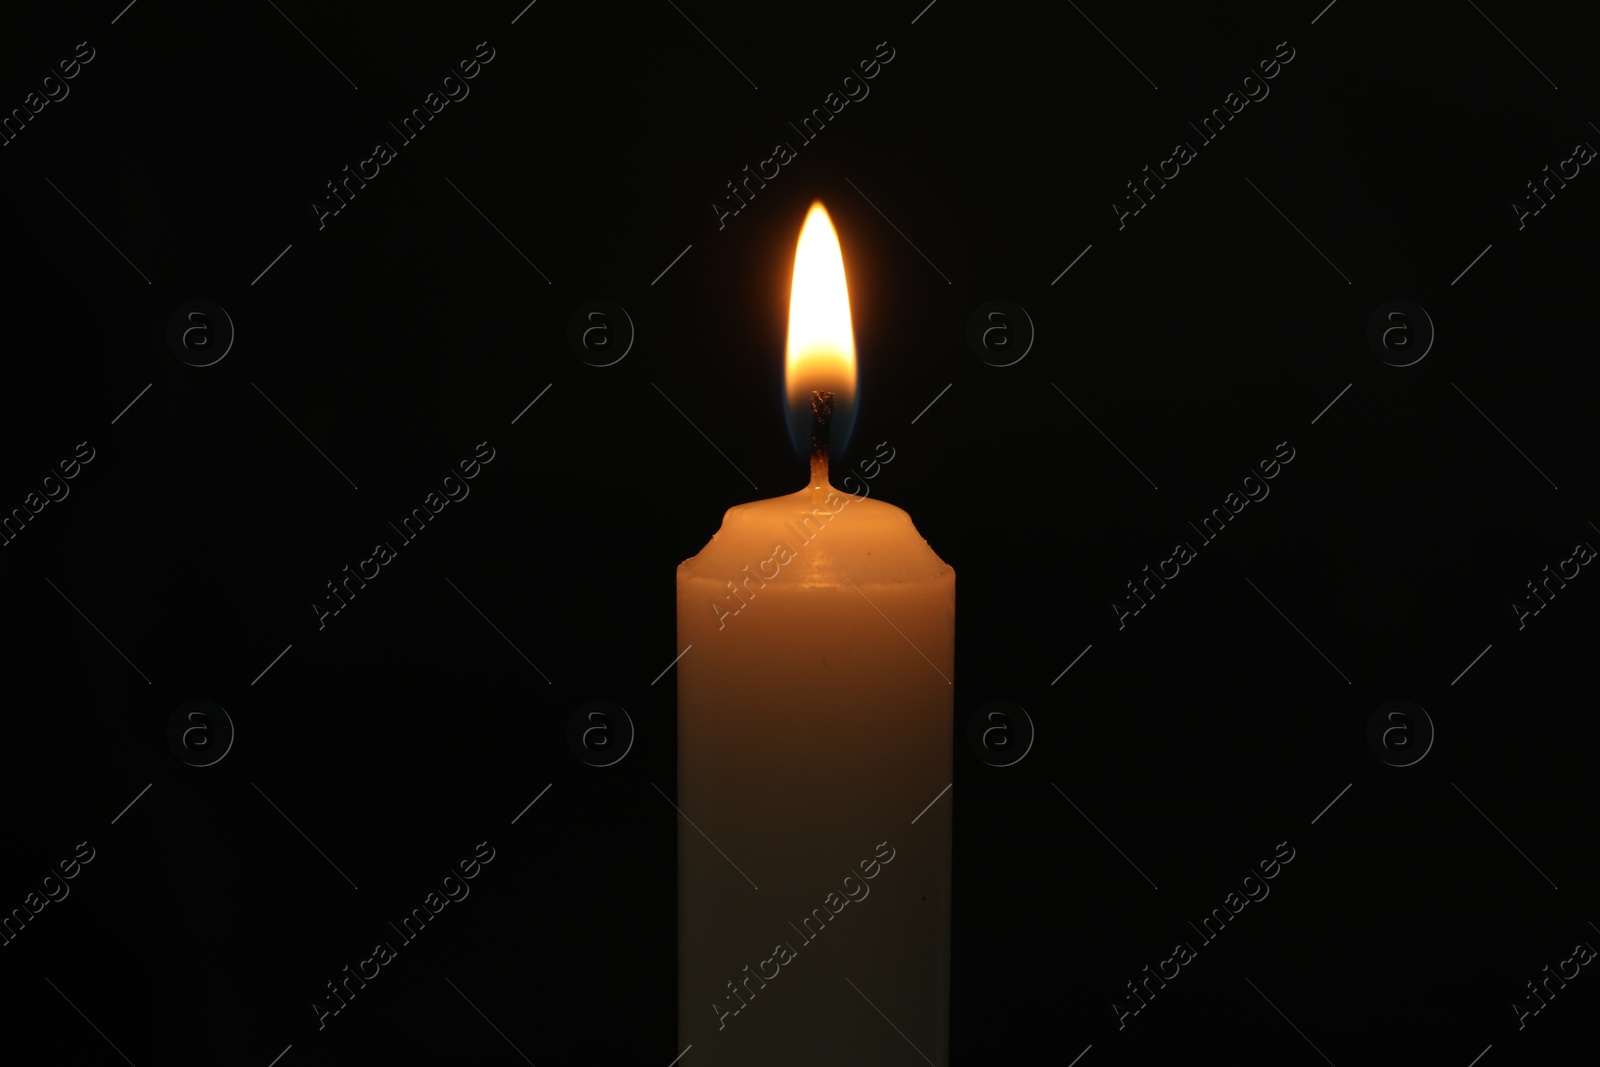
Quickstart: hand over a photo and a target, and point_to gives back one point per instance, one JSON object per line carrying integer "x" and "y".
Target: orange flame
{"x": 821, "y": 351}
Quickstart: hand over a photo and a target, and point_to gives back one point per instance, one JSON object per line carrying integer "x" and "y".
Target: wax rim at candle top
{"x": 820, "y": 354}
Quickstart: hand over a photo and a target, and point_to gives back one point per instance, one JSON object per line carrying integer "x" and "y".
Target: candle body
{"x": 814, "y": 724}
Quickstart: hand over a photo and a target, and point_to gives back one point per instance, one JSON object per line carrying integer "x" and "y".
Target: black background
{"x": 984, "y": 161}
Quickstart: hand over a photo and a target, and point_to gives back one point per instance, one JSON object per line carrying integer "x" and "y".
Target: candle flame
{"x": 821, "y": 352}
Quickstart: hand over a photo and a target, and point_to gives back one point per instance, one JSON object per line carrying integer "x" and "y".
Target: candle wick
{"x": 821, "y": 431}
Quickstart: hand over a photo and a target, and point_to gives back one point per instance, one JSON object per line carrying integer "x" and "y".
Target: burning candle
{"x": 814, "y": 725}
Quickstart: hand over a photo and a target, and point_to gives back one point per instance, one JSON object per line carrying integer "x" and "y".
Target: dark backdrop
{"x": 374, "y": 350}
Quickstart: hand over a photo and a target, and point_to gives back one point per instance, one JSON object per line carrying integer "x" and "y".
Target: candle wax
{"x": 814, "y": 724}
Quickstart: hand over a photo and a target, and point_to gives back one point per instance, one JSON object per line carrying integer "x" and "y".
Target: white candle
{"x": 814, "y": 723}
